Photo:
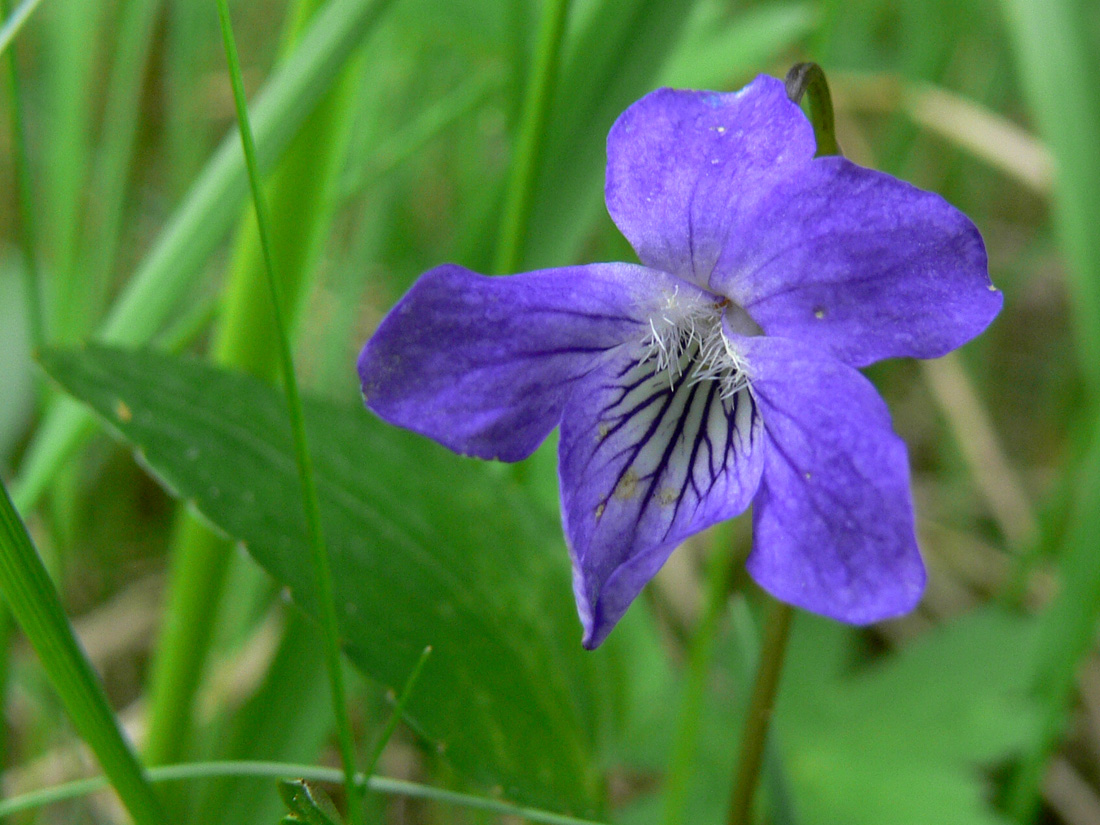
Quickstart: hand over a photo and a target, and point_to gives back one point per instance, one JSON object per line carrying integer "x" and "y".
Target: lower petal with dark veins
{"x": 648, "y": 457}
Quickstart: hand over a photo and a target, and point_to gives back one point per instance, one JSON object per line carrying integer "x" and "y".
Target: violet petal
{"x": 484, "y": 365}
{"x": 861, "y": 263}
{"x": 833, "y": 527}
{"x": 647, "y": 458}
{"x": 685, "y": 168}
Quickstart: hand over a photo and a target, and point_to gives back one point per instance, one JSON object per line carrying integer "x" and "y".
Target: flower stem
{"x": 318, "y": 550}
{"x": 803, "y": 78}
{"x": 808, "y": 78}
{"x": 529, "y": 144}
{"x": 755, "y": 735}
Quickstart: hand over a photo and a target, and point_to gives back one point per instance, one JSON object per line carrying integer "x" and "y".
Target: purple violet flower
{"x": 720, "y": 372}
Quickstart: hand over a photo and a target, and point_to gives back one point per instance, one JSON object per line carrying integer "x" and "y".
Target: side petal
{"x": 833, "y": 522}
{"x": 647, "y": 458}
{"x": 483, "y": 365}
{"x": 862, "y": 263}
{"x": 684, "y": 169}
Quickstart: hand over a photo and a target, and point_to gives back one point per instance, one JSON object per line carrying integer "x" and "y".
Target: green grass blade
{"x": 700, "y": 657}
{"x": 73, "y": 48}
{"x": 318, "y": 551}
{"x": 302, "y": 195}
{"x": 1058, "y": 75}
{"x": 281, "y": 770}
{"x": 615, "y": 58}
{"x": 531, "y": 140}
{"x": 27, "y": 226}
{"x": 109, "y": 186}
{"x": 1057, "y": 70}
{"x": 398, "y": 711}
{"x": 33, "y": 600}
{"x": 202, "y": 220}
{"x": 13, "y": 24}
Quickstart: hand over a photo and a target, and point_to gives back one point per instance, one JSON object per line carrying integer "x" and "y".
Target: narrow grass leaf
{"x": 31, "y": 597}
{"x": 15, "y": 22}
{"x": 319, "y": 556}
{"x": 201, "y": 222}
{"x": 1056, "y": 64}
{"x": 613, "y": 58}
{"x": 281, "y": 770}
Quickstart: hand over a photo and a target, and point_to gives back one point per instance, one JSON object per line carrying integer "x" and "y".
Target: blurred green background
{"x": 387, "y": 131}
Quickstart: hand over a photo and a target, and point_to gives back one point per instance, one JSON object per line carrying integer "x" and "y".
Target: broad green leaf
{"x": 427, "y": 549}
{"x": 909, "y": 739}
{"x": 903, "y": 740}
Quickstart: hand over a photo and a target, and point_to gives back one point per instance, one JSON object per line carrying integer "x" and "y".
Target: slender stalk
{"x": 530, "y": 143}
{"x": 318, "y": 551}
{"x": 301, "y": 204}
{"x": 803, "y": 78}
{"x": 282, "y": 770}
{"x": 700, "y": 655}
{"x": 27, "y": 230}
{"x": 398, "y": 710}
{"x": 32, "y": 598}
{"x": 755, "y": 735}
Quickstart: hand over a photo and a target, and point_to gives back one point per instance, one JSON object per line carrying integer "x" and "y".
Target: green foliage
{"x": 913, "y": 738}
{"x": 308, "y": 805}
{"x": 910, "y": 739}
{"x": 423, "y": 547}
{"x": 388, "y": 136}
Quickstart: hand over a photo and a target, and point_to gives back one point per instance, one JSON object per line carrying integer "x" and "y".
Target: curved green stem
{"x": 755, "y": 735}
{"x": 530, "y": 143}
{"x": 808, "y": 78}
{"x": 318, "y": 551}
{"x": 282, "y": 770}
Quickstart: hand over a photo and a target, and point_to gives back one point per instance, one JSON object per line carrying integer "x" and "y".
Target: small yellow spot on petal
{"x": 819, "y": 312}
{"x": 667, "y": 496}
{"x": 123, "y": 413}
{"x": 627, "y": 487}
{"x": 600, "y": 509}
{"x": 809, "y": 476}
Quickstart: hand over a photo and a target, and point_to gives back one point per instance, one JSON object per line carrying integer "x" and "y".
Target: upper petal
{"x": 833, "y": 524}
{"x": 483, "y": 365}
{"x": 685, "y": 168}
{"x": 862, "y": 263}
{"x": 647, "y": 458}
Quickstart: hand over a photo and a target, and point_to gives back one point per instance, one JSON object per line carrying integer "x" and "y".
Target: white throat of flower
{"x": 686, "y": 336}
